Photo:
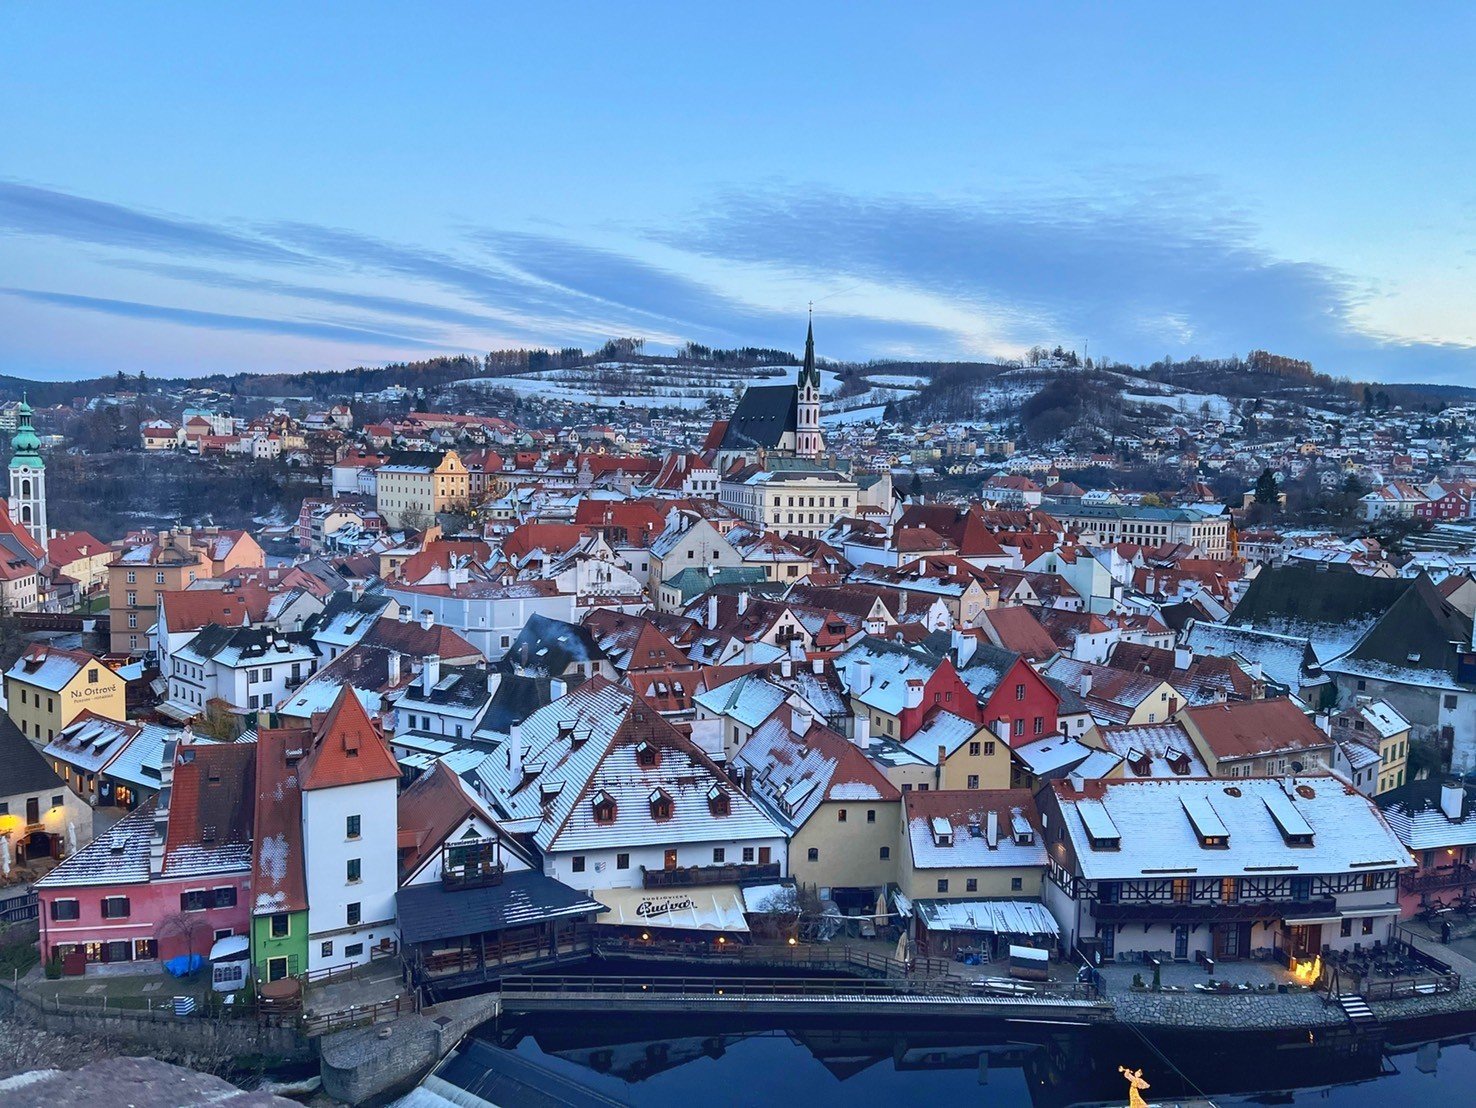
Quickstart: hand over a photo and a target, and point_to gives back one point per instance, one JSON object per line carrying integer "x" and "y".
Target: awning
{"x": 232, "y": 946}
{"x": 702, "y": 908}
{"x": 176, "y": 710}
{"x": 1001, "y": 917}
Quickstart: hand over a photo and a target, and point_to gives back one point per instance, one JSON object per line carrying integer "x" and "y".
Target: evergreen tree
{"x": 1267, "y": 490}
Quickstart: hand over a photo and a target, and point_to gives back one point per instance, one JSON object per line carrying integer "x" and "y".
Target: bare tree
{"x": 188, "y": 926}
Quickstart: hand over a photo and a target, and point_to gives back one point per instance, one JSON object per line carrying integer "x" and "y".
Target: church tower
{"x": 27, "y": 477}
{"x": 807, "y": 439}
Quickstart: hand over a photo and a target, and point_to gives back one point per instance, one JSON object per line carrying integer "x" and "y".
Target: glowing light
{"x": 1307, "y": 973}
{"x": 793, "y": 941}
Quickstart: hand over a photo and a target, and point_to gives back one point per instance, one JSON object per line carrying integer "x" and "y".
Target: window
{"x": 988, "y": 750}
{"x": 196, "y": 900}
{"x": 351, "y": 827}
{"x": 885, "y": 853}
{"x": 660, "y": 806}
{"x": 281, "y": 925}
{"x": 942, "y": 884}
{"x": 1346, "y": 930}
{"x": 355, "y": 871}
{"x": 577, "y": 863}
{"x": 159, "y": 578}
{"x": 1020, "y": 691}
{"x": 870, "y": 815}
{"x": 355, "y": 913}
{"x": 115, "y": 907}
{"x": 1016, "y": 884}
{"x": 748, "y": 853}
{"x": 65, "y": 910}
{"x": 1040, "y": 725}
{"x": 1368, "y": 922}
{"x": 225, "y": 896}
{"x": 327, "y": 949}
{"x": 92, "y": 676}
{"x": 622, "y": 861}
{"x": 132, "y": 577}
{"x": 1019, "y": 727}
{"x": 719, "y": 855}
{"x": 840, "y": 816}
{"x": 1450, "y": 701}
{"x": 813, "y": 854}
{"x": 974, "y": 749}
{"x": 354, "y": 950}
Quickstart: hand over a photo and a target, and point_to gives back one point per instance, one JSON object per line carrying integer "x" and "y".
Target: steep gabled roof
{"x": 278, "y": 872}
{"x": 347, "y": 749}
{"x": 1420, "y": 633}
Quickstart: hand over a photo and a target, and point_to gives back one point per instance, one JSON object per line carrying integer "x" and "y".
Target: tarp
{"x": 183, "y": 964}
{"x": 1001, "y": 917}
{"x": 701, "y": 908}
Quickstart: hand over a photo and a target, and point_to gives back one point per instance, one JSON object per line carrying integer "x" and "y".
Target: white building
{"x": 1218, "y": 869}
{"x": 349, "y": 833}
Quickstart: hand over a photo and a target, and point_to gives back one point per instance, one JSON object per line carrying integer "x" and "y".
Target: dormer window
{"x": 660, "y": 804}
{"x": 604, "y": 807}
{"x": 718, "y": 802}
{"x": 647, "y": 756}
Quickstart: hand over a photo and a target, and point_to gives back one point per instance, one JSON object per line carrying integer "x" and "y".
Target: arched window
{"x": 814, "y": 854}
{"x": 25, "y": 488}
{"x": 25, "y": 513}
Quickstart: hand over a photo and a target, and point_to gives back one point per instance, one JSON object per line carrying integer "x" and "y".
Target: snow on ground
{"x": 905, "y": 380}
{"x": 872, "y": 414}
{"x": 1190, "y": 403}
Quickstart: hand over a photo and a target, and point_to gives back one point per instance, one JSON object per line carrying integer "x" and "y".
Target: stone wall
{"x": 368, "y": 1061}
{"x": 234, "y": 1038}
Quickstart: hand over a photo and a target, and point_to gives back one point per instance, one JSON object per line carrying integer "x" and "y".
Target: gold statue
{"x": 1136, "y": 1085}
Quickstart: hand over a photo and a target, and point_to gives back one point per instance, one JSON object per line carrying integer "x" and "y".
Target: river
{"x": 682, "y": 1062}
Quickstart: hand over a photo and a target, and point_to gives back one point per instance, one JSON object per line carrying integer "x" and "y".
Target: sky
{"x": 189, "y": 189}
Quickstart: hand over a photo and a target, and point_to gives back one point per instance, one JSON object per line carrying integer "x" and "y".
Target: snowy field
{"x": 659, "y": 385}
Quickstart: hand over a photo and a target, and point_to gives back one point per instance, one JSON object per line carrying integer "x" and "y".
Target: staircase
{"x": 1357, "y": 1010}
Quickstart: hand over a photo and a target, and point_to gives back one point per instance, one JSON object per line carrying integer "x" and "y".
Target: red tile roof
{"x": 348, "y": 749}
{"x": 278, "y": 875}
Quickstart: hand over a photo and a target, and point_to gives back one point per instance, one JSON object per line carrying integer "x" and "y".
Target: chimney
{"x": 1002, "y": 729}
{"x": 786, "y": 666}
{"x": 514, "y": 754}
{"x": 430, "y": 673}
{"x": 742, "y": 602}
{"x": 817, "y": 666}
{"x": 1452, "y": 800}
{"x": 1183, "y": 656}
{"x": 494, "y": 682}
{"x": 963, "y": 647}
{"x": 1323, "y": 722}
{"x": 991, "y": 829}
{"x": 859, "y": 676}
{"x": 427, "y": 621}
{"x": 1084, "y": 686}
{"x": 914, "y": 693}
{"x": 1078, "y": 782}
{"x": 800, "y": 721}
{"x": 712, "y": 606}
{"x": 558, "y": 688}
{"x": 404, "y": 614}
{"x": 394, "y": 667}
{"x": 863, "y": 732}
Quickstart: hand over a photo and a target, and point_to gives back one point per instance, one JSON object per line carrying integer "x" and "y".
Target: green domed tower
{"x": 27, "y": 477}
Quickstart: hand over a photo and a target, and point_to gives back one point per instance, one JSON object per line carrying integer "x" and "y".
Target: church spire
{"x": 809, "y": 372}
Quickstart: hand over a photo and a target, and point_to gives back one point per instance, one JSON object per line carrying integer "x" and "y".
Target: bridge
{"x": 953, "y": 997}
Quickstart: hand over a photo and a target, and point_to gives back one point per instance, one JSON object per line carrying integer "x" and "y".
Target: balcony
{"x": 1447, "y": 877}
{"x": 1172, "y": 912}
{"x": 707, "y": 875}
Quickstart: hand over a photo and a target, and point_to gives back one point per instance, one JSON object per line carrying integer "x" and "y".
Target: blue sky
{"x": 191, "y": 188}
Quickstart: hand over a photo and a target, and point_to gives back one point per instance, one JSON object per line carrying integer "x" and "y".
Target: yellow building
{"x": 47, "y": 688}
{"x": 171, "y": 561}
{"x": 414, "y": 486}
{"x": 40, "y": 816}
{"x": 1373, "y": 739}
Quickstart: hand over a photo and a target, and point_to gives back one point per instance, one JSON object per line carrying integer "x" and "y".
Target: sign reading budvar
{"x": 646, "y": 909}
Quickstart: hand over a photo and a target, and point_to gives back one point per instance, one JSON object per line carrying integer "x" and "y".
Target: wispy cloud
{"x": 220, "y": 321}
{"x": 1168, "y": 270}
{"x": 26, "y": 209}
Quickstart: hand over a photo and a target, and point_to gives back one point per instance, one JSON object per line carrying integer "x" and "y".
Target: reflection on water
{"x": 710, "y": 1063}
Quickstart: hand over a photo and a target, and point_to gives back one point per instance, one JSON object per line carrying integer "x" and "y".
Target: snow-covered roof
{"x": 1157, "y": 836}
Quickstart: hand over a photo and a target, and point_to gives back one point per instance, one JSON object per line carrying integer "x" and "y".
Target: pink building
{"x": 164, "y": 881}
